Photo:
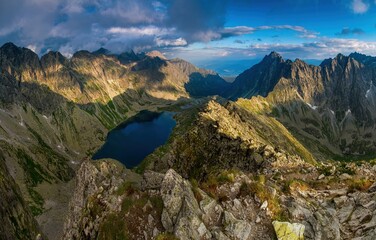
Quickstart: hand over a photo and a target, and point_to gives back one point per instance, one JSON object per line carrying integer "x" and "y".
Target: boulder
{"x": 235, "y": 228}
{"x": 289, "y": 231}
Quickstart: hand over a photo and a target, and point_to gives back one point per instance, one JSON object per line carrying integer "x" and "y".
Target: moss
{"x": 126, "y": 204}
{"x": 360, "y": 185}
{"x": 294, "y": 185}
{"x": 126, "y": 188}
{"x": 34, "y": 172}
{"x": 259, "y": 188}
{"x": 244, "y": 190}
{"x": 36, "y": 206}
{"x": 195, "y": 190}
{"x": 113, "y": 227}
{"x": 227, "y": 176}
{"x": 166, "y": 236}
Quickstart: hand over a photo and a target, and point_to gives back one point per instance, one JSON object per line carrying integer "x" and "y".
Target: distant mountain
{"x": 333, "y": 103}
{"x": 202, "y": 82}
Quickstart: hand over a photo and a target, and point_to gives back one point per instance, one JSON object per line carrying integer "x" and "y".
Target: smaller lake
{"x": 138, "y": 137}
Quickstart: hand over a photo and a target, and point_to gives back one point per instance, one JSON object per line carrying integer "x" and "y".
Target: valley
{"x": 285, "y": 142}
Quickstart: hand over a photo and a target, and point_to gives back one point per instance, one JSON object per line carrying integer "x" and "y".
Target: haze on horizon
{"x": 207, "y": 33}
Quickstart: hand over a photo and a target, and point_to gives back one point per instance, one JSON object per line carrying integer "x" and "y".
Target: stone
{"x": 345, "y": 176}
{"x": 321, "y": 177}
{"x": 152, "y": 180}
{"x": 289, "y": 231}
{"x": 372, "y": 189}
{"x": 181, "y": 214}
{"x": 264, "y": 205}
{"x": 235, "y": 228}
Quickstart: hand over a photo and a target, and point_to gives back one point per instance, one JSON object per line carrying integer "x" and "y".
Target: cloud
{"x": 359, "y": 6}
{"x": 139, "y": 31}
{"x": 115, "y": 24}
{"x": 325, "y": 47}
{"x": 170, "y": 42}
{"x": 350, "y": 31}
{"x": 242, "y": 30}
{"x": 319, "y": 49}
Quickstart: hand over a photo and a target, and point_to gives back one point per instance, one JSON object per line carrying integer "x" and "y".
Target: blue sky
{"x": 202, "y": 31}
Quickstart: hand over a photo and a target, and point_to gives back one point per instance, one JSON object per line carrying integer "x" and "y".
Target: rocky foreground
{"x": 111, "y": 202}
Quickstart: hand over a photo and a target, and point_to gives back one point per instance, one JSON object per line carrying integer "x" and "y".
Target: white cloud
{"x": 149, "y": 30}
{"x": 32, "y": 47}
{"x": 359, "y": 6}
{"x": 170, "y": 42}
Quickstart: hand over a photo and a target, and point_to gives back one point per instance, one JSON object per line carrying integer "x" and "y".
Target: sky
{"x": 204, "y": 32}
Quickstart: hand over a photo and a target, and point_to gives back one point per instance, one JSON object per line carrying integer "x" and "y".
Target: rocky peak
{"x": 128, "y": 57}
{"x": 261, "y": 78}
{"x": 365, "y": 59}
{"x": 82, "y": 54}
{"x": 53, "y": 58}
{"x": 102, "y": 51}
{"x": 10, "y": 48}
{"x": 22, "y": 63}
{"x": 18, "y": 56}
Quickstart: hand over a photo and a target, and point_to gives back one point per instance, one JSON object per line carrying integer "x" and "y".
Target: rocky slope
{"x": 261, "y": 193}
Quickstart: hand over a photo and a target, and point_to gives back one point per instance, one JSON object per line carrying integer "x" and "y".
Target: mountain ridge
{"x": 55, "y": 112}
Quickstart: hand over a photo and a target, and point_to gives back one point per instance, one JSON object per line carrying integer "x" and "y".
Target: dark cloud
{"x": 351, "y": 31}
{"x": 197, "y": 20}
{"x": 87, "y": 24}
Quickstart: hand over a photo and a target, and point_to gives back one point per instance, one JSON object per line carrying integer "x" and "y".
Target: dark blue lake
{"x": 136, "y": 138}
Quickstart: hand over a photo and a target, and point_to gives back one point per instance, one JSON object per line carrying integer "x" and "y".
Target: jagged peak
{"x": 9, "y": 45}
{"x": 358, "y": 54}
{"x": 82, "y": 53}
{"x": 101, "y": 51}
{"x": 274, "y": 54}
{"x": 53, "y": 53}
{"x": 53, "y": 56}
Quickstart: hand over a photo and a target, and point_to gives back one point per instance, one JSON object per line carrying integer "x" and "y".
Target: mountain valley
{"x": 285, "y": 151}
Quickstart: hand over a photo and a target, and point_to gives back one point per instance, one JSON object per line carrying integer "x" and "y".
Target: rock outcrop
{"x": 289, "y": 231}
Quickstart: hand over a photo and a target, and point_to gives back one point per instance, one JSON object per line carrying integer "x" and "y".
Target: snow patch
{"x": 368, "y": 93}
{"x": 313, "y": 107}
{"x": 348, "y": 112}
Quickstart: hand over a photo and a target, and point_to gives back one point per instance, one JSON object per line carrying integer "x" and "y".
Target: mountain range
{"x": 295, "y": 137}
